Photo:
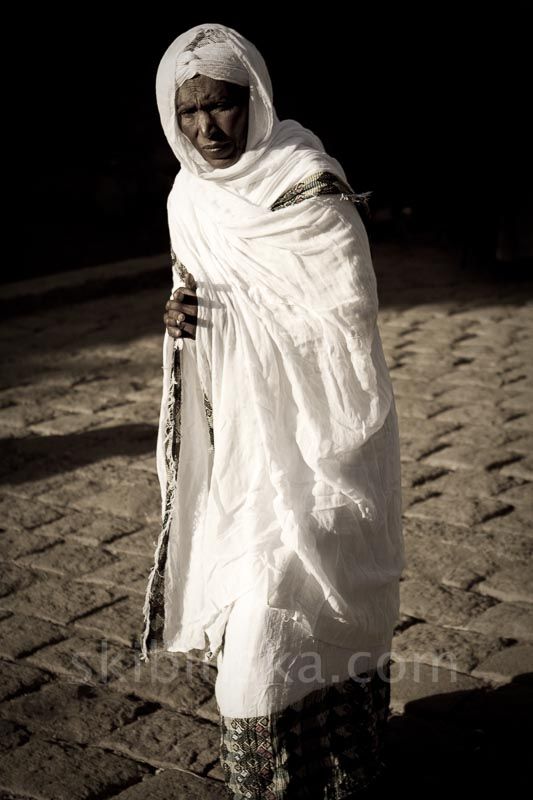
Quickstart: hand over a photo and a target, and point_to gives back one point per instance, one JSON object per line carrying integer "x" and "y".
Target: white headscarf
{"x": 287, "y": 351}
{"x": 277, "y": 154}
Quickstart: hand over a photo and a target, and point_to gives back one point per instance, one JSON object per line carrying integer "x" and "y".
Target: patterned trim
{"x": 318, "y": 184}
{"x": 154, "y": 606}
{"x": 333, "y": 740}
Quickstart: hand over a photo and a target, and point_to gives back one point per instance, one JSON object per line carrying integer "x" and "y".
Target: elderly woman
{"x": 281, "y": 546}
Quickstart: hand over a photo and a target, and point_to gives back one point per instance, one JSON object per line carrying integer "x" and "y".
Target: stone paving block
{"x": 519, "y": 495}
{"x": 519, "y": 421}
{"x": 128, "y": 571}
{"x": 506, "y": 664}
{"x": 433, "y": 645}
{"x": 90, "y": 398}
{"x": 433, "y": 689}
{"x": 512, "y": 585}
{"x": 518, "y": 379}
{"x": 89, "y": 528}
{"x": 85, "y": 659}
{"x": 175, "y": 784}
{"x": 518, "y": 401}
{"x": 464, "y": 576}
{"x": 66, "y": 525}
{"x": 426, "y": 429}
{"x": 416, "y": 474}
{"x": 470, "y": 511}
{"x": 138, "y": 500}
{"x": 471, "y": 376}
{"x": 426, "y": 600}
{"x": 171, "y": 679}
{"x": 20, "y": 635}
{"x": 466, "y": 457}
{"x": 465, "y": 415}
{"x": 16, "y": 678}
{"x": 23, "y": 415}
{"x": 511, "y": 530}
{"x": 50, "y": 770}
{"x": 477, "y": 437}
{"x": 72, "y": 559}
{"x": 210, "y": 710}
{"x": 410, "y": 496}
{"x": 520, "y": 468}
{"x": 11, "y": 736}
{"x": 67, "y": 493}
{"x": 412, "y": 388}
{"x": 474, "y": 485}
{"x": 417, "y": 408}
{"x": 511, "y": 620}
{"x": 17, "y": 513}
{"x": 168, "y": 739}
{"x": 64, "y": 424}
{"x": 57, "y": 599}
{"x": 465, "y": 395}
{"x": 12, "y": 579}
{"x": 139, "y": 411}
{"x": 410, "y": 369}
{"x": 122, "y": 622}
{"x": 73, "y": 712}
{"x": 142, "y": 542}
{"x": 416, "y": 448}
{"x": 441, "y": 559}
{"x": 145, "y": 463}
{"x": 17, "y": 543}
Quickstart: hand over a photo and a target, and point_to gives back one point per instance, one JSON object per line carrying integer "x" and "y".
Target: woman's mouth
{"x": 216, "y": 148}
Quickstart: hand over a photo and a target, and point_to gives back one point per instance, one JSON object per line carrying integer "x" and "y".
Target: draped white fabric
{"x": 288, "y": 352}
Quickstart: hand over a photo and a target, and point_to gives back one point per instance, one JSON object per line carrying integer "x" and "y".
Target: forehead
{"x": 203, "y": 88}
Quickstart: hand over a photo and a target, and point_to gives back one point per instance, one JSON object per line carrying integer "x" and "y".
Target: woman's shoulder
{"x": 321, "y": 184}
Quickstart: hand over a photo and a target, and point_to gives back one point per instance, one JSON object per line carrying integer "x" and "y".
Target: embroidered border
{"x": 333, "y": 740}
{"x": 154, "y": 606}
{"x": 319, "y": 184}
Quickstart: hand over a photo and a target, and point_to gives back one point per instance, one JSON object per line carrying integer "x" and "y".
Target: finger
{"x": 184, "y": 291}
{"x": 183, "y": 308}
{"x": 175, "y": 319}
{"x": 180, "y": 321}
{"x": 174, "y": 333}
{"x": 188, "y": 330}
{"x": 177, "y": 304}
{"x": 177, "y": 333}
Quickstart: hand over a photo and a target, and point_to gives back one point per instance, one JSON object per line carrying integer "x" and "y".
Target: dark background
{"x": 424, "y": 105}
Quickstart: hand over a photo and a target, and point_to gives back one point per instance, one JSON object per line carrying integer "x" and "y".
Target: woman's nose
{"x": 205, "y": 124}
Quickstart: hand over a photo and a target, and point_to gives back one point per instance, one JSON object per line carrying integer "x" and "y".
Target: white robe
{"x": 289, "y": 355}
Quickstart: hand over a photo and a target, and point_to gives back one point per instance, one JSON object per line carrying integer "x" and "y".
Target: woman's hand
{"x": 181, "y": 311}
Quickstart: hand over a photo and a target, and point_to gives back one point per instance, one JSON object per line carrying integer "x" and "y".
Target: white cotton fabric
{"x": 289, "y": 354}
{"x": 210, "y": 54}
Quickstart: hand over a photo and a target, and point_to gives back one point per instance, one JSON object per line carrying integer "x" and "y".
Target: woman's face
{"x": 213, "y": 115}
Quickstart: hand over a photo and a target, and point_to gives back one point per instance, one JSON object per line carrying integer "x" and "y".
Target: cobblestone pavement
{"x": 81, "y": 717}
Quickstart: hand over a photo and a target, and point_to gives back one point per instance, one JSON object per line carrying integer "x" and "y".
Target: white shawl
{"x": 288, "y": 352}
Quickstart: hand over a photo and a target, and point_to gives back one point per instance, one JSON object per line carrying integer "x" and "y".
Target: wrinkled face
{"x": 213, "y": 115}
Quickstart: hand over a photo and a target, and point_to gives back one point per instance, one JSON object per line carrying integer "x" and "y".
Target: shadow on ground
{"x": 32, "y": 458}
{"x": 455, "y": 744}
